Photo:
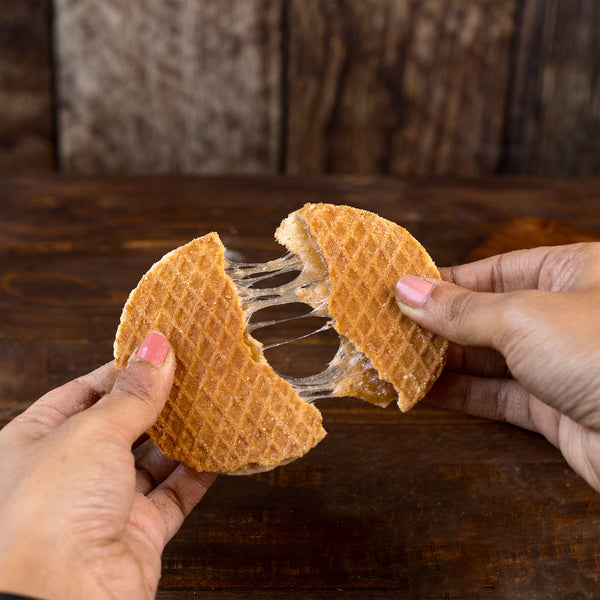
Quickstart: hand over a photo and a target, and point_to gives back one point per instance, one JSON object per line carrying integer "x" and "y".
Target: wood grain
{"x": 426, "y": 504}
{"x": 531, "y": 232}
{"x": 406, "y": 87}
{"x": 177, "y": 86}
{"x": 401, "y": 87}
{"x": 553, "y": 111}
{"x": 27, "y": 141}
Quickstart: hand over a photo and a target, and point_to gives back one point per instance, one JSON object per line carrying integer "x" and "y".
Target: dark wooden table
{"x": 430, "y": 504}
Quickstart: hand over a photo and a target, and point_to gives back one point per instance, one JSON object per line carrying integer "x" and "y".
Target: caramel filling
{"x": 350, "y": 372}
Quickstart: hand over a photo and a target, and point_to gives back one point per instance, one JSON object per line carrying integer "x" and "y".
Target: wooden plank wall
{"x": 27, "y": 136}
{"x": 410, "y": 88}
{"x": 175, "y": 86}
{"x": 402, "y": 87}
{"x": 553, "y": 113}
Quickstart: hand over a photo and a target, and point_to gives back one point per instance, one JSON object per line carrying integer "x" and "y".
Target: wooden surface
{"x": 27, "y": 138}
{"x": 429, "y": 504}
{"x": 404, "y": 87}
{"x": 530, "y": 232}
{"x": 150, "y": 86}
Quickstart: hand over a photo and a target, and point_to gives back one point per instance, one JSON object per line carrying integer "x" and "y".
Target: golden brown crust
{"x": 365, "y": 256}
{"x": 227, "y": 412}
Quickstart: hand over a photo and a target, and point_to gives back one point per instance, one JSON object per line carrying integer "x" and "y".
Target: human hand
{"x": 80, "y": 516}
{"x": 526, "y": 333}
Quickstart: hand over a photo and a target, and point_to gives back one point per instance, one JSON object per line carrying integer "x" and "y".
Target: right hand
{"x": 526, "y": 333}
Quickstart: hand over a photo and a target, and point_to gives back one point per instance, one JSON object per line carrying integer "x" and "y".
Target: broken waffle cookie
{"x": 229, "y": 411}
{"x": 362, "y": 256}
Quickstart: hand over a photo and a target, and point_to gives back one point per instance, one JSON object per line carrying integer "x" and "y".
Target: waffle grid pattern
{"x": 366, "y": 256}
{"x": 226, "y": 412}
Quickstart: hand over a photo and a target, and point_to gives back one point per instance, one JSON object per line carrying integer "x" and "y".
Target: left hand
{"x": 81, "y": 517}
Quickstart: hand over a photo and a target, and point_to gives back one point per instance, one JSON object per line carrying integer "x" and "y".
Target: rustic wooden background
{"x": 402, "y": 87}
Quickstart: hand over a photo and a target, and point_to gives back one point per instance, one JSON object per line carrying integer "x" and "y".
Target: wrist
{"x": 24, "y": 571}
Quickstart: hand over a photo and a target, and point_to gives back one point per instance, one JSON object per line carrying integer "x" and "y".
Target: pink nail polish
{"x": 154, "y": 348}
{"x": 413, "y": 290}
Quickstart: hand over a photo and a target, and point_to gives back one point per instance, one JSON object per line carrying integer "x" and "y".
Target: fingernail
{"x": 154, "y": 348}
{"x": 413, "y": 290}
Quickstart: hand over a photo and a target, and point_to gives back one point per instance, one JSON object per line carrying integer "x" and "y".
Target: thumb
{"x": 140, "y": 390}
{"x": 458, "y": 314}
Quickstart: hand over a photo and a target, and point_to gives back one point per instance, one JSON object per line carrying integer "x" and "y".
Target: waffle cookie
{"x": 228, "y": 411}
{"x": 385, "y": 355}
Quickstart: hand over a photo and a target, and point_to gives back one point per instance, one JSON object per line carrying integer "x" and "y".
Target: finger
{"x": 586, "y": 273}
{"x": 557, "y": 268}
{"x": 542, "y": 334}
{"x": 497, "y": 399}
{"x": 55, "y": 407}
{"x": 152, "y": 467}
{"x": 503, "y": 273}
{"x": 483, "y": 362}
{"x": 581, "y": 448}
{"x": 140, "y": 391}
{"x": 460, "y": 315}
{"x": 178, "y": 495}
{"x": 486, "y": 397}
{"x": 141, "y": 448}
